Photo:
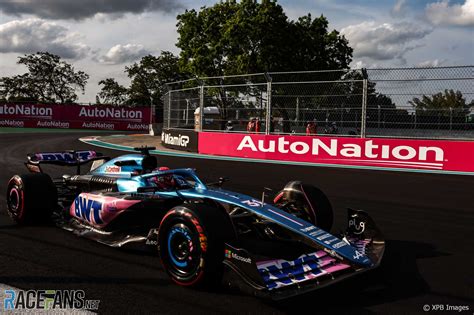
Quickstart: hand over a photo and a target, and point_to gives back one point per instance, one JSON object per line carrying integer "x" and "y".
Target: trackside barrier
{"x": 73, "y": 116}
{"x": 373, "y": 152}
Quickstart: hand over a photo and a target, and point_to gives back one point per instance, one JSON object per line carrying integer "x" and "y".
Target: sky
{"x": 102, "y": 37}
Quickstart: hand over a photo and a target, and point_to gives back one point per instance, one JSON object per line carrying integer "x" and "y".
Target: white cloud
{"x": 384, "y": 41}
{"x": 399, "y": 9}
{"x": 124, "y": 53}
{"x": 457, "y": 14}
{"x": 73, "y": 9}
{"x": 33, "y": 35}
{"x": 430, "y": 63}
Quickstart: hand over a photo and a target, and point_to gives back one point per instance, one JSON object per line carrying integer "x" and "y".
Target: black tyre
{"x": 31, "y": 198}
{"x": 306, "y": 202}
{"x": 191, "y": 242}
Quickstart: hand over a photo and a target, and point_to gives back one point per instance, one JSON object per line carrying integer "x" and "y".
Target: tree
{"x": 112, "y": 92}
{"x": 443, "y": 103}
{"x": 249, "y": 37}
{"x": 149, "y": 77}
{"x": 49, "y": 80}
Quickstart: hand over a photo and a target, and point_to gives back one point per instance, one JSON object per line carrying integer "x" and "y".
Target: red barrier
{"x": 378, "y": 152}
{"x": 74, "y": 116}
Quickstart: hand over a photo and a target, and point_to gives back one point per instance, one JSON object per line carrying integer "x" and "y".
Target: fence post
{"x": 201, "y": 106}
{"x": 450, "y": 118}
{"x": 363, "y": 118}
{"x": 168, "y": 118}
{"x": 268, "y": 112}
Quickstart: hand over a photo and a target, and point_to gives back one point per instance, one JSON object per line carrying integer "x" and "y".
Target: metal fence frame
{"x": 273, "y": 79}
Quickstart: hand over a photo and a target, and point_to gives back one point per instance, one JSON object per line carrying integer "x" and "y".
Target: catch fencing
{"x": 395, "y": 102}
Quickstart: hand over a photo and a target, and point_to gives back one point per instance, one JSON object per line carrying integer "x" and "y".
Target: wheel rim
{"x": 14, "y": 201}
{"x": 183, "y": 252}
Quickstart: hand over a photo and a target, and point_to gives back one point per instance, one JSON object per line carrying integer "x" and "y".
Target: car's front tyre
{"x": 191, "y": 241}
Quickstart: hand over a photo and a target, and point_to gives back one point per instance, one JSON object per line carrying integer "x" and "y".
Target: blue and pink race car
{"x": 204, "y": 235}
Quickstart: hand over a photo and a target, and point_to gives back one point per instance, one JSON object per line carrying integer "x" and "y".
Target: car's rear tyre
{"x": 191, "y": 242}
{"x": 31, "y": 198}
{"x": 306, "y": 202}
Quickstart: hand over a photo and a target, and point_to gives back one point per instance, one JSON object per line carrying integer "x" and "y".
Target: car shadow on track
{"x": 397, "y": 278}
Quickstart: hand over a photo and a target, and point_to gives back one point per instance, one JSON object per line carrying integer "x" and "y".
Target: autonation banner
{"x": 375, "y": 152}
{"x": 74, "y": 116}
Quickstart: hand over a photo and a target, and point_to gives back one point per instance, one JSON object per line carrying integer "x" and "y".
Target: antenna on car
{"x": 265, "y": 189}
{"x": 145, "y": 150}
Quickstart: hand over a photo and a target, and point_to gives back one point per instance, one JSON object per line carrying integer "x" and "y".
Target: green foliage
{"x": 149, "y": 77}
{"x": 250, "y": 37}
{"x": 112, "y": 92}
{"x": 48, "y": 80}
{"x": 447, "y": 103}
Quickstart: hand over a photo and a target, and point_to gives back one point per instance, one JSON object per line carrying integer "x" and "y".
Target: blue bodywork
{"x": 129, "y": 182}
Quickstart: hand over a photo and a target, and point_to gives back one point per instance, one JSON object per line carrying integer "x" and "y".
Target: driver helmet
{"x": 167, "y": 179}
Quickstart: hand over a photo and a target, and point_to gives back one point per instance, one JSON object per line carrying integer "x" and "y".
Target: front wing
{"x": 283, "y": 278}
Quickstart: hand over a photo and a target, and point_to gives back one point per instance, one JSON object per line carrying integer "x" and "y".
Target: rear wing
{"x": 65, "y": 158}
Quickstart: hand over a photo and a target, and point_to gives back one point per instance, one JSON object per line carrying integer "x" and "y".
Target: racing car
{"x": 204, "y": 235}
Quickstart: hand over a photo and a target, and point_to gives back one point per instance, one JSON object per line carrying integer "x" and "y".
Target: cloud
{"x": 384, "y": 41}
{"x": 431, "y": 63}
{"x": 81, "y": 9}
{"x": 399, "y": 9}
{"x": 456, "y": 14}
{"x": 33, "y": 35}
{"x": 123, "y": 53}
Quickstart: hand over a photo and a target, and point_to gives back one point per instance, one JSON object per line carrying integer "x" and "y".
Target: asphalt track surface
{"x": 427, "y": 220}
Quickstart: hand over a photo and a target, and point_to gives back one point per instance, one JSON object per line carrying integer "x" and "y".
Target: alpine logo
{"x": 180, "y": 140}
{"x": 332, "y": 150}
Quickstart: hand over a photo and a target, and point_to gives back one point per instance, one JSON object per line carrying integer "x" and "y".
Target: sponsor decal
{"x": 367, "y": 150}
{"x": 51, "y": 300}
{"x": 356, "y": 227}
{"x": 113, "y": 169}
{"x": 98, "y": 125}
{"x": 360, "y": 152}
{"x": 53, "y": 124}
{"x": 202, "y": 236}
{"x": 279, "y": 273}
{"x": 75, "y": 116}
{"x": 253, "y": 203}
{"x": 307, "y": 229}
{"x": 11, "y": 123}
{"x": 231, "y": 255}
{"x": 99, "y": 210}
{"x": 339, "y": 245}
{"x": 26, "y": 110}
{"x": 358, "y": 255}
{"x": 110, "y": 112}
{"x": 88, "y": 209}
{"x": 180, "y": 140}
{"x": 137, "y": 126}
{"x": 66, "y": 156}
